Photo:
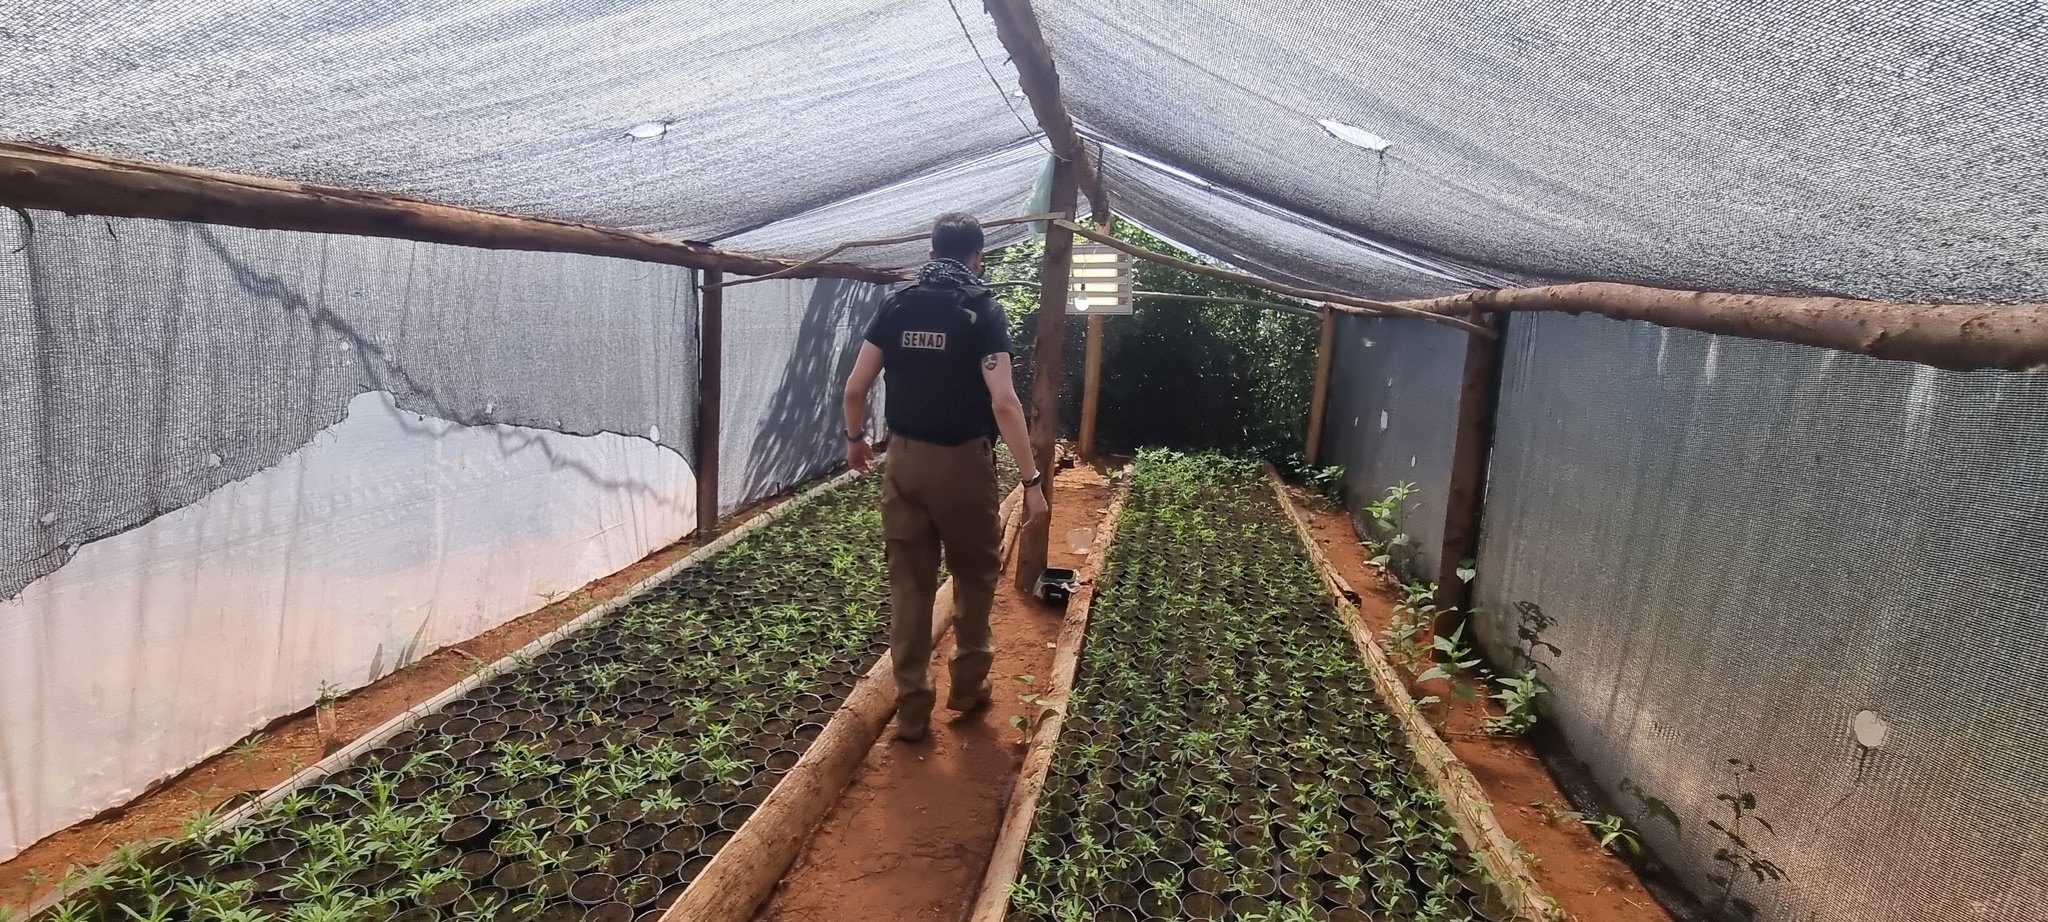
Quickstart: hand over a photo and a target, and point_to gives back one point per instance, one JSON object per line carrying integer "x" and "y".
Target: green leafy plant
{"x": 1614, "y": 834}
{"x": 1517, "y": 696}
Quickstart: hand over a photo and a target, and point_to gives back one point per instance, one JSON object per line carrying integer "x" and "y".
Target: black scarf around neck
{"x": 946, "y": 273}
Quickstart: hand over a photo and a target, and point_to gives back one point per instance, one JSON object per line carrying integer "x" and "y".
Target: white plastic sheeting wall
{"x": 236, "y": 465}
{"x": 387, "y": 537}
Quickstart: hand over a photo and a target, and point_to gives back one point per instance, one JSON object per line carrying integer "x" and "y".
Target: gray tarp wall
{"x": 1392, "y": 418}
{"x": 237, "y": 465}
{"x": 789, "y": 345}
{"x": 1820, "y": 566}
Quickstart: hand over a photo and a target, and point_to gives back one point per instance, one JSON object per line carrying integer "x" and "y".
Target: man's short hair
{"x": 956, "y": 236}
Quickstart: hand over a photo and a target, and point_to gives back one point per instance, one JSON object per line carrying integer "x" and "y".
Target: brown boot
{"x": 968, "y": 704}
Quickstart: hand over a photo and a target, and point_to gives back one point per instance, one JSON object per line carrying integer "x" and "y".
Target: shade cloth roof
{"x": 1887, "y": 151}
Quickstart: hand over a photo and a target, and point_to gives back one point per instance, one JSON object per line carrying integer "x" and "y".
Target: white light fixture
{"x": 1100, "y": 282}
{"x": 1352, "y": 134}
{"x": 646, "y": 130}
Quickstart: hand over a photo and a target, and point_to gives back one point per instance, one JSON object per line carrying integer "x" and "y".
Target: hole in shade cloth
{"x": 1352, "y": 134}
{"x": 646, "y": 130}
{"x": 1870, "y": 729}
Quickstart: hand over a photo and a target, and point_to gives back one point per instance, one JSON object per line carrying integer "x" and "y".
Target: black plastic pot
{"x": 593, "y": 889}
{"x": 466, "y": 831}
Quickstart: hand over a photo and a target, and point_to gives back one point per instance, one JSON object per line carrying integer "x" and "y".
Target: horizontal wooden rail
{"x": 744, "y": 874}
{"x": 56, "y": 179}
{"x": 1958, "y": 337}
{"x": 992, "y": 899}
{"x": 1470, "y": 807}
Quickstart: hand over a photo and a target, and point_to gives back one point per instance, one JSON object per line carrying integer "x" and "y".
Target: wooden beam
{"x": 1320, "y": 394}
{"x": 1958, "y": 337}
{"x": 1091, "y": 386}
{"x": 744, "y": 874}
{"x": 56, "y": 179}
{"x": 1017, "y": 27}
{"x": 882, "y": 242}
{"x": 1055, "y": 278}
{"x": 992, "y": 899}
{"x": 1468, "y": 803}
{"x": 710, "y": 374}
{"x": 1339, "y": 302}
{"x": 1472, "y": 442}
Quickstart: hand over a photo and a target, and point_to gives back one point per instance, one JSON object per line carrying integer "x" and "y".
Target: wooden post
{"x": 1054, "y": 281}
{"x": 710, "y": 368}
{"x": 1091, "y": 386}
{"x": 1478, "y": 396}
{"x": 1320, "y": 396}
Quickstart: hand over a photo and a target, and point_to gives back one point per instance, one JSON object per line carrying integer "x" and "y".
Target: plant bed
{"x": 1224, "y": 754}
{"x": 592, "y": 781}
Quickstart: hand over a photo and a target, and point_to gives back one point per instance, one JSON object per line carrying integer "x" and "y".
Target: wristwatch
{"x": 1035, "y": 480}
{"x": 857, "y": 436}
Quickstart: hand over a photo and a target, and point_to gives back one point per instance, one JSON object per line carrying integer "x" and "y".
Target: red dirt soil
{"x": 295, "y": 741}
{"x": 1587, "y": 882}
{"x": 912, "y": 834}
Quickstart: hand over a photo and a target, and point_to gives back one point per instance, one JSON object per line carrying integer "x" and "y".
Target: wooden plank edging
{"x": 744, "y": 873}
{"x": 992, "y": 903}
{"x": 371, "y": 739}
{"x": 1468, "y": 803}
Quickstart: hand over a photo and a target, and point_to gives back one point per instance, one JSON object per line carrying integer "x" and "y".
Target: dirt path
{"x": 912, "y": 834}
{"x": 1589, "y": 883}
{"x": 295, "y": 741}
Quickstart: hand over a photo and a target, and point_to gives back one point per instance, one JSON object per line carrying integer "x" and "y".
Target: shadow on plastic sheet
{"x": 798, "y": 438}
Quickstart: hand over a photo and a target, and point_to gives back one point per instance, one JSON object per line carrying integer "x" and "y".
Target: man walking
{"x": 946, "y": 348}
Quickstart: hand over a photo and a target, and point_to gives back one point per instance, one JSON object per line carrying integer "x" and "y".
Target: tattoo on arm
{"x": 989, "y": 363}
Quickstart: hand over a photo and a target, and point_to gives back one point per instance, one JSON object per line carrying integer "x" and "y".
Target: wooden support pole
{"x": 1335, "y": 301}
{"x": 1319, "y": 397}
{"x": 710, "y": 371}
{"x": 1091, "y": 386}
{"x": 1017, "y": 28}
{"x": 1478, "y": 397}
{"x": 1470, "y": 807}
{"x": 56, "y": 179}
{"x": 1054, "y": 282}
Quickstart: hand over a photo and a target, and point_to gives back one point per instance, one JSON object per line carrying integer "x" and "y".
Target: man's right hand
{"x": 1035, "y": 509}
{"x": 859, "y": 455}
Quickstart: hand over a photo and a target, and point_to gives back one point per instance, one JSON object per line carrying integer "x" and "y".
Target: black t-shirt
{"x": 933, "y": 341}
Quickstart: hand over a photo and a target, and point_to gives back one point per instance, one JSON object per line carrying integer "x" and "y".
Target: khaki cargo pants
{"x": 940, "y": 500}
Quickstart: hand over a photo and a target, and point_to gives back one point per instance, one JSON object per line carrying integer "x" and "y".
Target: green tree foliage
{"x": 1179, "y": 374}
